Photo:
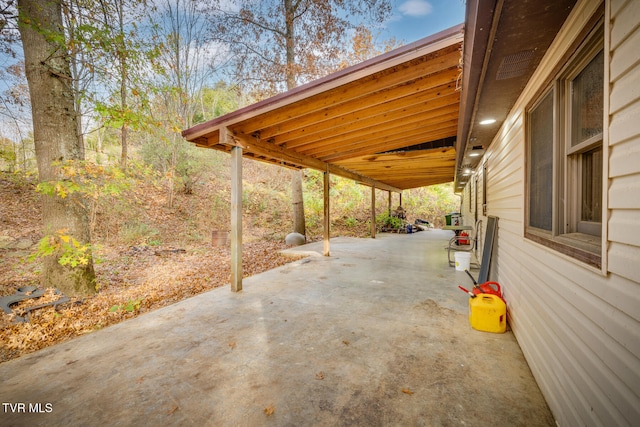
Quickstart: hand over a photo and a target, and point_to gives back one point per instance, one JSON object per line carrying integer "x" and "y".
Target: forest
{"x": 100, "y": 196}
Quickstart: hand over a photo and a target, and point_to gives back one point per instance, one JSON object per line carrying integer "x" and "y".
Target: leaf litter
{"x": 131, "y": 285}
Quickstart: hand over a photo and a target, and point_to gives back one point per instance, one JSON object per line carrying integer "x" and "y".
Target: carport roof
{"x": 389, "y": 122}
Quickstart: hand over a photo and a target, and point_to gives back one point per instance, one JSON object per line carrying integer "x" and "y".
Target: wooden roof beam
{"x": 434, "y": 63}
{"x": 288, "y": 156}
{"x": 434, "y": 43}
{"x": 388, "y": 141}
{"x": 373, "y": 127}
{"x": 424, "y": 87}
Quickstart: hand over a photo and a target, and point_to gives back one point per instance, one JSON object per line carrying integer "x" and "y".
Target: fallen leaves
{"x": 173, "y": 261}
{"x": 269, "y": 410}
{"x": 407, "y": 391}
{"x": 132, "y": 284}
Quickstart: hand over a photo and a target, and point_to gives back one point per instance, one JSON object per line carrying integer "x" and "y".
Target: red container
{"x": 492, "y": 288}
{"x": 462, "y": 241}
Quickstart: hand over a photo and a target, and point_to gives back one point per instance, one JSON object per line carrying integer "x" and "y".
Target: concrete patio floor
{"x": 376, "y": 334}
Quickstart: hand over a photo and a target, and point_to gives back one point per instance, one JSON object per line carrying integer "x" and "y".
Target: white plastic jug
{"x": 463, "y": 260}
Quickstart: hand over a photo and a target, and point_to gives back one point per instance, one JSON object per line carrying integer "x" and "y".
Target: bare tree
{"x": 15, "y": 113}
{"x": 187, "y": 60}
{"x": 8, "y": 32}
{"x": 279, "y": 44}
{"x": 363, "y": 47}
{"x": 116, "y": 32}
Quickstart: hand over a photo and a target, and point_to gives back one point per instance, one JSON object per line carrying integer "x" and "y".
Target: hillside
{"x": 150, "y": 254}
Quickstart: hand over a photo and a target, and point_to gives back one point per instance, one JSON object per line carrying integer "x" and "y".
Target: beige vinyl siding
{"x": 578, "y": 326}
{"x": 624, "y": 172}
{"x": 465, "y": 202}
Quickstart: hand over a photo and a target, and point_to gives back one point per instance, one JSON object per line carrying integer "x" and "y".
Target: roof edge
{"x": 479, "y": 20}
{"x": 446, "y": 37}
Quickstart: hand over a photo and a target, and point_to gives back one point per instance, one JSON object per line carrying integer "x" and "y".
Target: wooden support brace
{"x": 283, "y": 154}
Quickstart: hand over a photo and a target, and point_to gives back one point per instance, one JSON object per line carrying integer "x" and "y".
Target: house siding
{"x": 578, "y": 326}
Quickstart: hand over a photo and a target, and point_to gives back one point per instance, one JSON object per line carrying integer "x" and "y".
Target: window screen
{"x": 586, "y": 102}
{"x": 541, "y": 164}
{"x": 591, "y": 209}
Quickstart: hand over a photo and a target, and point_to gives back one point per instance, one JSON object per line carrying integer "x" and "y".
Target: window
{"x": 565, "y": 157}
{"x": 541, "y": 163}
{"x": 472, "y": 199}
{"x": 484, "y": 189}
{"x": 475, "y": 198}
{"x": 585, "y": 150}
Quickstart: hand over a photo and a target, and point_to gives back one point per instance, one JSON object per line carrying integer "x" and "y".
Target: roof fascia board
{"x": 481, "y": 19}
{"x": 390, "y": 59}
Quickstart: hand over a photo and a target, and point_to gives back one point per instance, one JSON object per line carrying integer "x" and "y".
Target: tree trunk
{"x": 124, "y": 75}
{"x": 55, "y": 136}
{"x": 172, "y": 171}
{"x": 99, "y": 147}
{"x": 78, "y": 106}
{"x": 290, "y": 41}
{"x": 125, "y": 144}
{"x": 299, "y": 225}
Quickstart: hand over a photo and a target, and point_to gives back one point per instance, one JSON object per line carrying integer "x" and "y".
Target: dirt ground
{"x": 132, "y": 279}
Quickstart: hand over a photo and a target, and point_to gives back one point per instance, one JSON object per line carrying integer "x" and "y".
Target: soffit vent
{"x": 514, "y": 65}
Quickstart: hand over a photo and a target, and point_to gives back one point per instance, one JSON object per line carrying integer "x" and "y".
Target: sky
{"x": 416, "y": 19}
{"x": 411, "y": 20}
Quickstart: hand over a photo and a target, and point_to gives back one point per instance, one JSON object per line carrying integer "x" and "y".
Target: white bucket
{"x": 463, "y": 260}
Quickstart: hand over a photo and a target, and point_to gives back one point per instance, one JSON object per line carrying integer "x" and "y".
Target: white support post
{"x": 327, "y": 219}
{"x": 373, "y": 212}
{"x": 236, "y": 219}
